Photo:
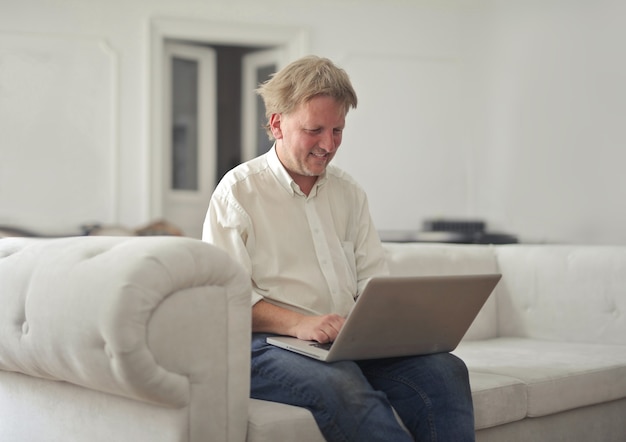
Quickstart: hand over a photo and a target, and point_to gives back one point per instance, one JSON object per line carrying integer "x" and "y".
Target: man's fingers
{"x": 330, "y": 327}
{"x": 322, "y": 329}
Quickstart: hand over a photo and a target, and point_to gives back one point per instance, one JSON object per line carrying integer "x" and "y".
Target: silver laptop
{"x": 403, "y": 316}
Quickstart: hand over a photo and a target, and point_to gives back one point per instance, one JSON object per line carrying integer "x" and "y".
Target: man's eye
{"x": 338, "y": 131}
{"x": 313, "y": 131}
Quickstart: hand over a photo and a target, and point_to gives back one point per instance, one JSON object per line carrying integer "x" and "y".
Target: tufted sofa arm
{"x": 163, "y": 320}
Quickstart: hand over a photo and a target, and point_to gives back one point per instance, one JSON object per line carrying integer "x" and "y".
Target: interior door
{"x": 190, "y": 103}
{"x": 257, "y": 67}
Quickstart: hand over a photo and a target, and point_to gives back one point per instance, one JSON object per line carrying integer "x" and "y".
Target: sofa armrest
{"x": 164, "y": 320}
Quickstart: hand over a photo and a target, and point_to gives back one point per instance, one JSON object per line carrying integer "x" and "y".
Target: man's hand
{"x": 318, "y": 328}
{"x": 269, "y": 318}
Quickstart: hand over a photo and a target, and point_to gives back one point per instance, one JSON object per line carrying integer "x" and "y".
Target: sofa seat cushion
{"x": 559, "y": 376}
{"x": 273, "y": 421}
{"x": 497, "y": 399}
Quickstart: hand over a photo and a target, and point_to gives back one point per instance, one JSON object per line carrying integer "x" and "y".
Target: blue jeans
{"x": 351, "y": 401}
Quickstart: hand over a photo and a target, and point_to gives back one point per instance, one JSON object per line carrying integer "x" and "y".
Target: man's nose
{"x": 328, "y": 142}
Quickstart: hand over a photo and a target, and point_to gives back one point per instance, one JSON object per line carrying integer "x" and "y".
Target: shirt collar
{"x": 285, "y": 179}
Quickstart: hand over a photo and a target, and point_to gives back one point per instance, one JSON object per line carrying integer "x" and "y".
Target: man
{"x": 302, "y": 229}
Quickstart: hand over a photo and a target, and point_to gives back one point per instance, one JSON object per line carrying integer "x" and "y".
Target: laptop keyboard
{"x": 322, "y": 346}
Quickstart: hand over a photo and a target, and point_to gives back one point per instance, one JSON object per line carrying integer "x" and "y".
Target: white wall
{"x": 508, "y": 111}
{"x": 554, "y": 110}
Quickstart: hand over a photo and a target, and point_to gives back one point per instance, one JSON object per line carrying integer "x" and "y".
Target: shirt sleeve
{"x": 228, "y": 227}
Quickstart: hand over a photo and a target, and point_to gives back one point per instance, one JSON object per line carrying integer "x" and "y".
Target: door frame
{"x": 293, "y": 41}
{"x": 181, "y": 205}
{"x": 250, "y": 118}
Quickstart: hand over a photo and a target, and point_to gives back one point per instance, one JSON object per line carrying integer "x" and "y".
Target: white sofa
{"x": 147, "y": 339}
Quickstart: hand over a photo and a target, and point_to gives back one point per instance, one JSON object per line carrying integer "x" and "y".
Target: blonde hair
{"x": 303, "y": 80}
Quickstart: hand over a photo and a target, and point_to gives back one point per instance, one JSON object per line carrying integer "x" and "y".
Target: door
{"x": 190, "y": 153}
{"x": 257, "y": 67}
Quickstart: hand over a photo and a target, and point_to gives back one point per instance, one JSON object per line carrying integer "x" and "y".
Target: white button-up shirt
{"x": 312, "y": 254}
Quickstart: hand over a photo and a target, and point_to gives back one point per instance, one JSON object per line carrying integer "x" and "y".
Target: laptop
{"x": 403, "y": 316}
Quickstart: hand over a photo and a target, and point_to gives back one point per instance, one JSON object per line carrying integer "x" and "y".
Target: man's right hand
{"x": 319, "y": 328}
{"x": 269, "y": 318}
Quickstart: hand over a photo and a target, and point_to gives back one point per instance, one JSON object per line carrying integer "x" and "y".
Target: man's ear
{"x": 275, "y": 120}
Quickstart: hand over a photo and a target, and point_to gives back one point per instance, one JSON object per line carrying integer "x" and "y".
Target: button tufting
{"x": 25, "y": 328}
{"x": 108, "y": 351}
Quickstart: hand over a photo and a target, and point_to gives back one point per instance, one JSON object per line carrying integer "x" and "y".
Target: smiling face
{"x": 308, "y": 138}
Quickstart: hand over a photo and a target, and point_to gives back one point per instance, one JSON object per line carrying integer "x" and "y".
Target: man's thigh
{"x": 285, "y": 376}
{"x": 343, "y": 403}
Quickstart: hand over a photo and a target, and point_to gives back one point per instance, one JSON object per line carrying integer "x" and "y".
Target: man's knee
{"x": 339, "y": 378}
{"x": 454, "y": 366}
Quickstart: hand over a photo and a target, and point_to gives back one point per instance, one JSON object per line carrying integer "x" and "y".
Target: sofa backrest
{"x": 406, "y": 259}
{"x": 563, "y": 292}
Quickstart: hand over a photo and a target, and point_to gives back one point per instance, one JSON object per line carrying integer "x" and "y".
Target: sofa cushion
{"x": 562, "y": 293}
{"x": 409, "y": 259}
{"x": 497, "y": 399}
{"x": 273, "y": 421}
{"x": 559, "y": 376}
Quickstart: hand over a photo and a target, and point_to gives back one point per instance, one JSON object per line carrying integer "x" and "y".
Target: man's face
{"x": 308, "y": 138}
